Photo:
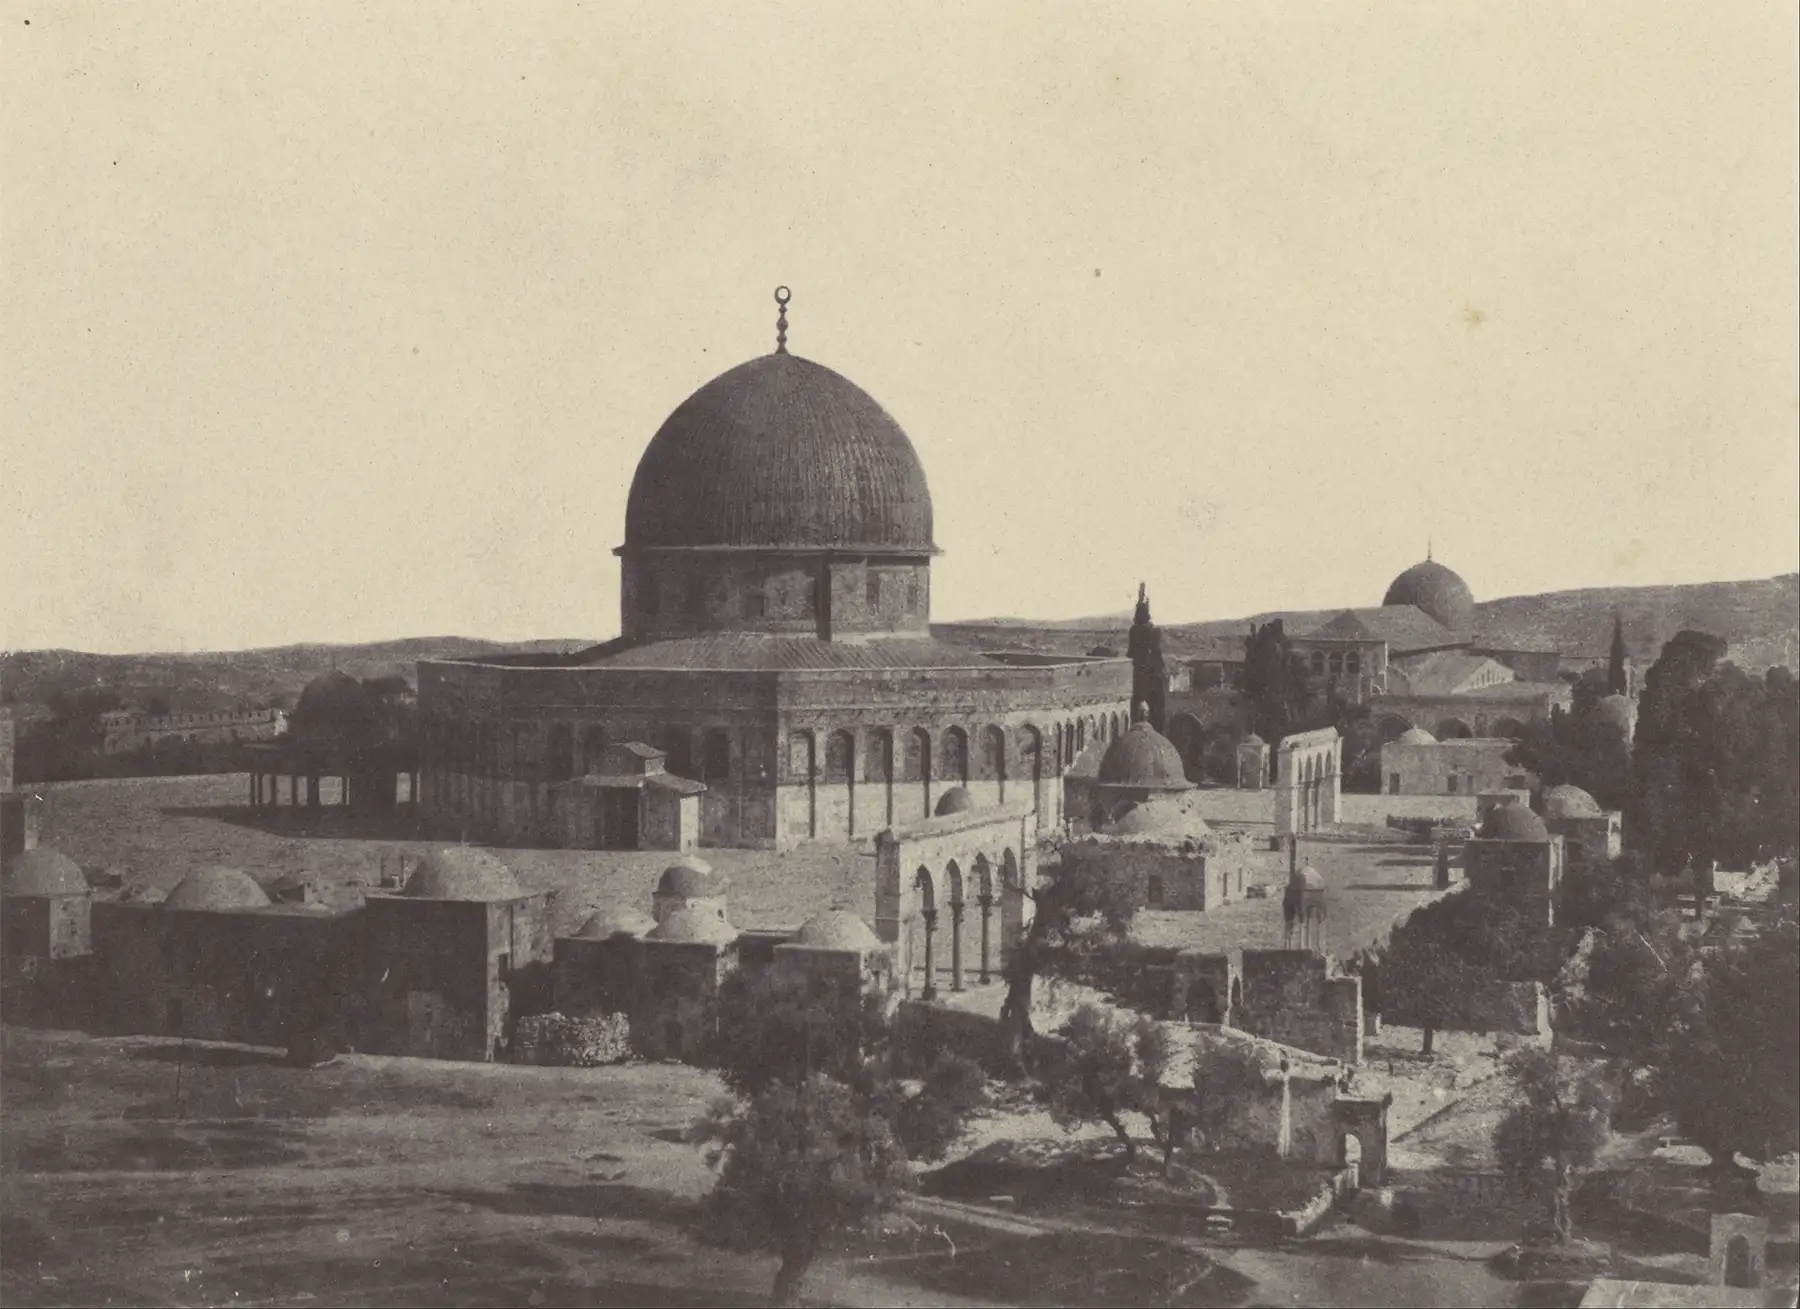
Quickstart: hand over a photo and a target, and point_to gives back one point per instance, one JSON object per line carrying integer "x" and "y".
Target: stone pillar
{"x": 986, "y": 902}
{"x": 929, "y": 992}
{"x": 956, "y": 922}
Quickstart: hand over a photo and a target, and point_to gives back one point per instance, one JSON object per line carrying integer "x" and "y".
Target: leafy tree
{"x": 1578, "y": 748}
{"x": 1106, "y": 1066}
{"x": 1716, "y": 763}
{"x": 1426, "y": 981}
{"x": 1617, "y": 682}
{"x": 1149, "y": 674}
{"x": 1078, "y": 913}
{"x": 1730, "y": 1073}
{"x": 779, "y": 1025}
{"x": 1562, "y": 1118}
{"x": 797, "y": 1166}
{"x": 1269, "y": 681}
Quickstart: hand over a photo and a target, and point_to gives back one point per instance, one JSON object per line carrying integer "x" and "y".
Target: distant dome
{"x": 1253, "y": 740}
{"x": 1615, "y": 709}
{"x": 1143, "y": 759}
{"x": 461, "y": 872}
{"x": 1570, "y": 802}
{"x": 1415, "y": 736}
{"x": 1306, "y": 878}
{"x": 694, "y": 926}
{"x": 956, "y": 800}
{"x": 1513, "y": 822}
{"x": 837, "y": 929}
{"x": 1437, "y": 591}
{"x": 333, "y": 703}
{"x": 44, "y": 872}
{"x": 216, "y": 889}
{"x": 690, "y": 877}
{"x": 780, "y": 452}
{"x": 617, "y": 921}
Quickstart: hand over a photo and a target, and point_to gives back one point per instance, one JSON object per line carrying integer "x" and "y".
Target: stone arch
{"x": 1390, "y": 727}
{"x": 1080, "y": 735}
{"x": 1031, "y": 766}
{"x": 924, "y": 922}
{"x": 803, "y": 772}
{"x": 1188, "y": 735}
{"x": 1237, "y": 994}
{"x": 1453, "y": 729}
{"x": 954, "y": 884}
{"x": 1739, "y": 1266}
{"x": 1318, "y": 663}
{"x": 1507, "y": 727}
{"x": 839, "y": 792}
{"x": 953, "y": 756}
{"x": 1012, "y": 902}
{"x": 1203, "y": 1003}
{"x": 993, "y": 759}
{"x": 878, "y": 770}
{"x": 1118, "y": 726}
{"x": 1335, "y": 664}
{"x": 918, "y": 767}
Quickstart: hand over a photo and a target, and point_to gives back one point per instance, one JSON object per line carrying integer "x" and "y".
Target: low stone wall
{"x": 1374, "y": 810}
{"x": 560, "y": 1041}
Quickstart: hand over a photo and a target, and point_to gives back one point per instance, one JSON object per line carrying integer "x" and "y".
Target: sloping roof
{"x": 769, "y": 652}
{"x": 1403, "y": 627}
{"x": 1346, "y": 627}
{"x": 1446, "y": 672}
{"x": 635, "y": 782}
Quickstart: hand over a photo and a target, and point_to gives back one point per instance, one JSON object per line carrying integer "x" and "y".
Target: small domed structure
{"x": 1153, "y": 818}
{"x": 691, "y": 877}
{"x": 1570, "y": 802}
{"x": 1436, "y": 591}
{"x": 142, "y": 893}
{"x": 1253, "y": 740}
{"x": 462, "y": 873}
{"x": 45, "y": 873}
{"x": 1514, "y": 822}
{"x": 216, "y": 889}
{"x": 1307, "y": 878}
{"x": 1415, "y": 736}
{"x": 837, "y": 929}
{"x": 693, "y": 927}
{"x": 616, "y": 921}
{"x": 1143, "y": 759}
{"x": 956, "y": 800}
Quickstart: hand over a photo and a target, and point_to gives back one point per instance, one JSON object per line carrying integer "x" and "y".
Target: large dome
{"x": 780, "y": 451}
{"x": 1438, "y": 592}
{"x": 1143, "y": 759}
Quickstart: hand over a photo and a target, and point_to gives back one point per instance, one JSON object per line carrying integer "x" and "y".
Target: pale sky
{"x": 335, "y": 322}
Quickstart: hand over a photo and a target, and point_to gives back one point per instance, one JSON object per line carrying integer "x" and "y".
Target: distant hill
{"x": 1760, "y": 620}
{"x": 221, "y": 680}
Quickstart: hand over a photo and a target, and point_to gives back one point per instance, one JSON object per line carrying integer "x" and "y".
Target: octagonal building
{"x": 775, "y": 646}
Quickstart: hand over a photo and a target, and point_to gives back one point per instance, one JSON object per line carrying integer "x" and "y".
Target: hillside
{"x": 220, "y": 680}
{"x": 1759, "y": 619}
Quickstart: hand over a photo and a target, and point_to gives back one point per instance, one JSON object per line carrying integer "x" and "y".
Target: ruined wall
{"x": 1295, "y": 998}
{"x": 1589, "y": 842}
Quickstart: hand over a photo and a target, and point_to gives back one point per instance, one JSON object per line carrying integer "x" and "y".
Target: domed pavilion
{"x": 775, "y": 649}
{"x": 358, "y": 732}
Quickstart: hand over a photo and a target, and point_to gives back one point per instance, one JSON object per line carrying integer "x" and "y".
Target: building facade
{"x": 775, "y": 601}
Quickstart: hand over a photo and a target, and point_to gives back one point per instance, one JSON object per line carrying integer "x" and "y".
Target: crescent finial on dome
{"x": 782, "y": 296}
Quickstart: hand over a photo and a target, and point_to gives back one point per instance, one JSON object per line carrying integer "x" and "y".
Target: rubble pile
{"x": 560, "y": 1041}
